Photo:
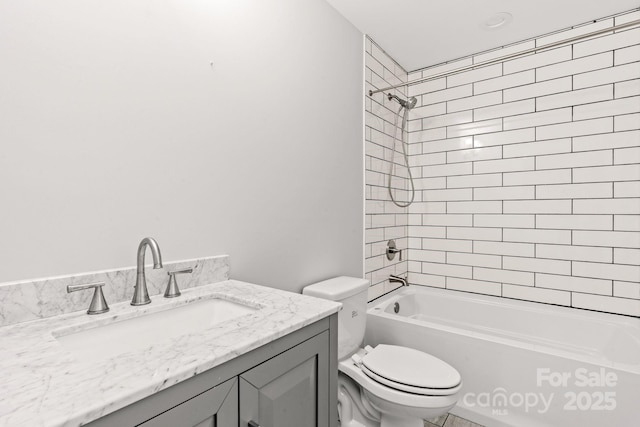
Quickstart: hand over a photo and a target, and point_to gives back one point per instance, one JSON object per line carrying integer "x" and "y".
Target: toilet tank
{"x": 352, "y": 318}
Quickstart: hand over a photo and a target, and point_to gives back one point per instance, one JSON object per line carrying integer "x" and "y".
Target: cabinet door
{"x": 290, "y": 389}
{"x": 217, "y": 407}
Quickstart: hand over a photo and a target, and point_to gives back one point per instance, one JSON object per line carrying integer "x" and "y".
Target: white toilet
{"x": 388, "y": 385}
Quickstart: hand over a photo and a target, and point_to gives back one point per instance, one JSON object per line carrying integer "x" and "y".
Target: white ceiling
{"x": 420, "y": 33}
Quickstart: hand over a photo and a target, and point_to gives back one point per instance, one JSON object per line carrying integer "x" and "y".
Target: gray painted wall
{"x": 215, "y": 127}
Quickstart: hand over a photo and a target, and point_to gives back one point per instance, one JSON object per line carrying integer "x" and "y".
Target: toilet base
{"x": 352, "y": 410}
{"x": 359, "y": 408}
{"x": 388, "y": 420}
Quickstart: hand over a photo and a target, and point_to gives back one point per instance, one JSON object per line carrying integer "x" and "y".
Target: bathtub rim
{"x": 379, "y": 305}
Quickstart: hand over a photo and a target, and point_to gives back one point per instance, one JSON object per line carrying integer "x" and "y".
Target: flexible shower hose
{"x": 406, "y": 158}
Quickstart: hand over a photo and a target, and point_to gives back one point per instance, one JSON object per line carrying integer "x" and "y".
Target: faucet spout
{"x": 398, "y": 279}
{"x": 140, "y": 293}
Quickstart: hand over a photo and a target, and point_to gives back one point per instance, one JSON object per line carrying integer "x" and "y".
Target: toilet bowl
{"x": 385, "y": 385}
{"x": 400, "y": 401}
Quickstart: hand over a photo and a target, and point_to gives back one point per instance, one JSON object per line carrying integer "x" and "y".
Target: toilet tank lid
{"x": 337, "y": 289}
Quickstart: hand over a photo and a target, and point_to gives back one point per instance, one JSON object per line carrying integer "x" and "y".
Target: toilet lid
{"x": 396, "y": 366}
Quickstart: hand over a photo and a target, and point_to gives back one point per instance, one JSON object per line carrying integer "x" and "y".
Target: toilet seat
{"x": 409, "y": 370}
{"x": 370, "y": 386}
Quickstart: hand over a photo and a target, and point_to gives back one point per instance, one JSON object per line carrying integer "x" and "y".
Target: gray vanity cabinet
{"x": 289, "y": 382}
{"x": 285, "y": 390}
{"x": 217, "y": 407}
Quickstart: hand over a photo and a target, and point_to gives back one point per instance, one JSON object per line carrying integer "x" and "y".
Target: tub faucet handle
{"x": 392, "y": 250}
{"x": 172, "y": 287}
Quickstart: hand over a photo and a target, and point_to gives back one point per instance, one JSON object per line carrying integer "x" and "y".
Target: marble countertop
{"x": 42, "y": 384}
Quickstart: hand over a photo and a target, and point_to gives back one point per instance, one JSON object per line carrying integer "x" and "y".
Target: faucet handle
{"x": 392, "y": 250}
{"x": 172, "y": 290}
{"x": 98, "y": 303}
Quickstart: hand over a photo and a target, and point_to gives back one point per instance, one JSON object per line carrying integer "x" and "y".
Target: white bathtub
{"x": 522, "y": 364}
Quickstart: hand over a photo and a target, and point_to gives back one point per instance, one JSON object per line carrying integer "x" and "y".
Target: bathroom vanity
{"x": 284, "y": 383}
{"x": 271, "y": 365}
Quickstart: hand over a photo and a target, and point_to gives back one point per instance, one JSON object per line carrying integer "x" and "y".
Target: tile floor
{"x": 448, "y": 420}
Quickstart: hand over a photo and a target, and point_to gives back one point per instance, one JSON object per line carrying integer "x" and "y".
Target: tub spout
{"x": 398, "y": 279}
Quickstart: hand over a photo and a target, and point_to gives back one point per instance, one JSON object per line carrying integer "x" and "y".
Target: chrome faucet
{"x": 140, "y": 293}
{"x": 397, "y": 279}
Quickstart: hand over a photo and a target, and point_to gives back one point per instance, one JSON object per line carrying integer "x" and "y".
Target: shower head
{"x": 408, "y": 104}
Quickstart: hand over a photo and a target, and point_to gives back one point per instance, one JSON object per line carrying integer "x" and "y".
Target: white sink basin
{"x": 104, "y": 342}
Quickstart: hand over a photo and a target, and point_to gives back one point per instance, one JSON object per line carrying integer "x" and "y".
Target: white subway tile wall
{"x": 383, "y": 219}
{"x": 528, "y": 174}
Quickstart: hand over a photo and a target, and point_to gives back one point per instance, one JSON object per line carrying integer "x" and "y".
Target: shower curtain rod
{"x": 510, "y": 56}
